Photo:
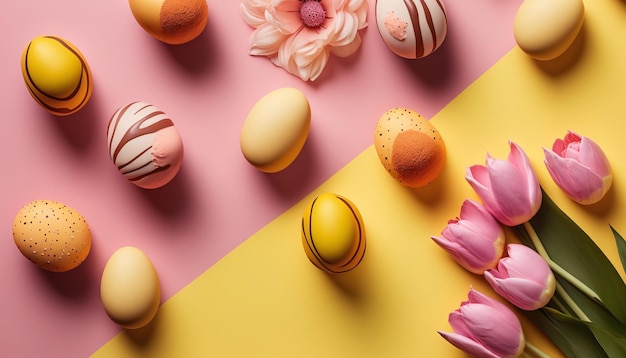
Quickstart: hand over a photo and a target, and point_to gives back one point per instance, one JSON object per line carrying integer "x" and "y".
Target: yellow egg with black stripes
{"x": 56, "y": 75}
{"x": 333, "y": 233}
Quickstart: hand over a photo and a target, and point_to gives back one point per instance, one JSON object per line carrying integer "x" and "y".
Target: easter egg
{"x": 333, "y": 233}
{"x": 52, "y": 235}
{"x": 171, "y": 21}
{"x": 129, "y": 288}
{"x": 412, "y": 28}
{"x": 546, "y": 29}
{"x": 275, "y": 130}
{"x": 409, "y": 147}
{"x": 144, "y": 145}
{"x": 56, "y": 75}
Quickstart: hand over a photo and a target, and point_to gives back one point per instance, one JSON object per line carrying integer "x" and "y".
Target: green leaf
{"x": 572, "y": 249}
{"x": 573, "y": 338}
{"x": 621, "y": 247}
{"x": 612, "y": 342}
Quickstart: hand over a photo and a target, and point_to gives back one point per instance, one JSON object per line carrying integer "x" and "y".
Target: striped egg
{"x": 144, "y": 145}
{"x": 333, "y": 234}
{"x": 412, "y": 28}
{"x": 56, "y": 75}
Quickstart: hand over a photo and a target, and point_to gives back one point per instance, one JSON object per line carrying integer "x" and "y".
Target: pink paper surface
{"x": 207, "y": 87}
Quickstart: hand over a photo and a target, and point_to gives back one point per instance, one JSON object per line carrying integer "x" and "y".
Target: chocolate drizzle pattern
{"x": 413, "y": 9}
{"x": 66, "y": 105}
{"x": 131, "y": 133}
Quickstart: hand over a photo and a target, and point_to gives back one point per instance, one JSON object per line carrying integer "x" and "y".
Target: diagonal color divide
{"x": 265, "y": 299}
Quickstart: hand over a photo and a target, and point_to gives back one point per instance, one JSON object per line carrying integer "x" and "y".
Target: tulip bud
{"x": 524, "y": 278}
{"x": 484, "y": 327}
{"x": 579, "y": 167}
{"x": 475, "y": 240}
{"x": 508, "y": 188}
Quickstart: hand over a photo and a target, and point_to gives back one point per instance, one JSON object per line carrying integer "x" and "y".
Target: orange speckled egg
{"x": 171, "y": 21}
{"x": 409, "y": 147}
{"x": 52, "y": 235}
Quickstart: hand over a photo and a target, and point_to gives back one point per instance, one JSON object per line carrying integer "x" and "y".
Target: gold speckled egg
{"x": 52, "y": 235}
{"x": 333, "y": 234}
{"x": 409, "y": 147}
{"x": 56, "y": 75}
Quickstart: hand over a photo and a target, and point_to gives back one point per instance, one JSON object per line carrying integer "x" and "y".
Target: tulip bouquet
{"x": 557, "y": 275}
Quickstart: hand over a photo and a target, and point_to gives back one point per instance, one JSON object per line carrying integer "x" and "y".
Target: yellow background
{"x": 265, "y": 299}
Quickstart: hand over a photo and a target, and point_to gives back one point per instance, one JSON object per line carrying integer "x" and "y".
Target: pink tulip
{"x": 523, "y": 278}
{"x": 508, "y": 188}
{"x": 484, "y": 327}
{"x": 475, "y": 240}
{"x": 579, "y": 167}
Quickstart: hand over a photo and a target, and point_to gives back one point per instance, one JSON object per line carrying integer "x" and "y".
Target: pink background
{"x": 207, "y": 87}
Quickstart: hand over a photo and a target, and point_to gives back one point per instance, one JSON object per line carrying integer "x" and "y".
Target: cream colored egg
{"x": 130, "y": 288}
{"x": 52, "y": 235}
{"x": 410, "y": 28}
{"x": 546, "y": 29}
{"x": 276, "y": 129}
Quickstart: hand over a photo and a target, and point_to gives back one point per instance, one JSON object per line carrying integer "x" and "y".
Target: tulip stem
{"x": 572, "y": 304}
{"x": 534, "y": 351}
{"x": 558, "y": 269}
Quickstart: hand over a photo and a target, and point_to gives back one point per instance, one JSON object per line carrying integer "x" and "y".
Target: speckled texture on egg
{"x": 52, "y": 235}
{"x": 173, "y": 22}
{"x": 409, "y": 147}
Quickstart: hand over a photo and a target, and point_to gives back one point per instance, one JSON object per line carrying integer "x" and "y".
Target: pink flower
{"x": 579, "y": 167}
{"x": 475, "y": 240}
{"x": 523, "y": 278}
{"x": 300, "y": 35}
{"x": 484, "y": 327}
{"x": 508, "y": 188}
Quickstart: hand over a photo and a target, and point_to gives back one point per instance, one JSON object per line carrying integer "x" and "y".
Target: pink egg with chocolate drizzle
{"x": 144, "y": 145}
{"x": 412, "y": 28}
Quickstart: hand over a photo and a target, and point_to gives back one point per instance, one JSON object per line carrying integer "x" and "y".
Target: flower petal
{"x": 498, "y": 330}
{"x": 577, "y": 181}
{"x": 467, "y": 345}
{"x": 592, "y": 156}
{"x": 253, "y": 11}
{"x": 265, "y": 41}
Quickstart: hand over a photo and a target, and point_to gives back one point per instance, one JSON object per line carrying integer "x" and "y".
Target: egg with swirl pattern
{"x": 144, "y": 145}
{"x": 56, "y": 75}
{"x": 412, "y": 28}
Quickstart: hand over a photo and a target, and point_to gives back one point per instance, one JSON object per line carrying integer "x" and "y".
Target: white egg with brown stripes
{"x": 144, "y": 145}
{"x": 412, "y": 28}
{"x": 333, "y": 233}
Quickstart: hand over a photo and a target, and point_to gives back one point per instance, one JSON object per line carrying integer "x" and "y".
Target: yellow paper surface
{"x": 265, "y": 299}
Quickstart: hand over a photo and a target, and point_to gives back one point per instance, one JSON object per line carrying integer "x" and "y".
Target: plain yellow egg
{"x": 333, "y": 233}
{"x": 276, "y": 129}
{"x": 56, "y": 75}
{"x": 129, "y": 288}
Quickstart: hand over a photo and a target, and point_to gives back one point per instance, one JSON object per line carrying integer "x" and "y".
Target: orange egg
{"x": 409, "y": 147}
{"x": 52, "y": 235}
{"x": 171, "y": 21}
